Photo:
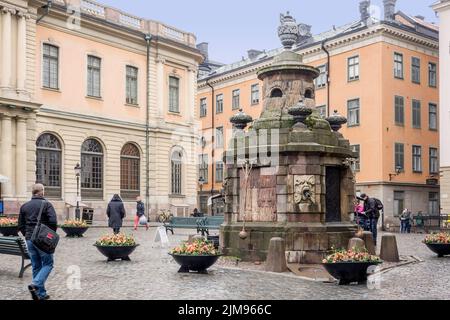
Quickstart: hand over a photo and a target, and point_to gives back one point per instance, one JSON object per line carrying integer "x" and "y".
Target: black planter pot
{"x": 116, "y": 252}
{"x": 9, "y": 231}
{"x": 349, "y": 272}
{"x": 75, "y": 232}
{"x": 199, "y": 264}
{"x": 439, "y": 248}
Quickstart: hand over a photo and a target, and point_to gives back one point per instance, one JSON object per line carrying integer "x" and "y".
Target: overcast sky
{"x": 233, "y": 26}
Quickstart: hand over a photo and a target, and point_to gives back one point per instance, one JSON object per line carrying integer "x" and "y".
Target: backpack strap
{"x": 44, "y": 202}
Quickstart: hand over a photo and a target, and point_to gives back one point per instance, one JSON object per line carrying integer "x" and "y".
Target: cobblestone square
{"x": 153, "y": 275}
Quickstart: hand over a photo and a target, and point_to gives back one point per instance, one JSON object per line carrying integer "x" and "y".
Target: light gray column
{"x": 6, "y": 47}
{"x": 21, "y": 51}
{"x": 5, "y": 155}
{"x": 21, "y": 158}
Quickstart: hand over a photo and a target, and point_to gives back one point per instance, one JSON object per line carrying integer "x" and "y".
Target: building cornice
{"x": 331, "y": 44}
{"x": 441, "y": 6}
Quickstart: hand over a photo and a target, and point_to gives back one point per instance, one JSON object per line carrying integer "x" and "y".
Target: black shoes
{"x": 33, "y": 291}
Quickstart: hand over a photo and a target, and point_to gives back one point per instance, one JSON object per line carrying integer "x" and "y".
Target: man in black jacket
{"x": 371, "y": 211}
{"x": 41, "y": 262}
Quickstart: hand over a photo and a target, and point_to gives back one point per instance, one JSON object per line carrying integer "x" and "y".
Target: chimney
{"x": 420, "y": 17}
{"x": 389, "y": 9}
{"x": 203, "y": 47}
{"x": 364, "y": 11}
{"x": 253, "y": 54}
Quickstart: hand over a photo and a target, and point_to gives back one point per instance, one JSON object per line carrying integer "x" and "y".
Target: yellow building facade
{"x": 83, "y": 83}
{"x": 380, "y": 74}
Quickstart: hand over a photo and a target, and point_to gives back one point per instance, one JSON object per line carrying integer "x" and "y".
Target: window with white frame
{"x": 321, "y": 80}
{"x": 132, "y": 85}
{"x": 434, "y": 161}
{"x": 399, "y": 203}
{"x": 174, "y": 94}
{"x": 203, "y": 108}
{"x": 219, "y": 137}
{"x": 399, "y": 156}
{"x": 236, "y": 99}
{"x": 219, "y": 171}
{"x": 433, "y": 203}
{"x": 219, "y": 103}
{"x": 176, "y": 172}
{"x": 353, "y": 112}
{"x": 432, "y": 117}
{"x": 353, "y": 68}
{"x": 50, "y": 66}
{"x": 417, "y": 159}
{"x": 322, "y": 111}
{"x": 432, "y": 75}
{"x": 416, "y": 114}
{"x": 415, "y": 70}
{"x": 399, "y": 106}
{"x": 356, "y": 166}
{"x": 398, "y": 65}
{"x": 255, "y": 94}
{"x": 203, "y": 167}
{"x": 94, "y": 77}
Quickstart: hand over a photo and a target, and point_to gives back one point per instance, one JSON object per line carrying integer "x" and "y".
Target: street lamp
{"x": 201, "y": 182}
{"x": 78, "y": 174}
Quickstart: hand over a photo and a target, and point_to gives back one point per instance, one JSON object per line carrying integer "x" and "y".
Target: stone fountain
{"x": 289, "y": 174}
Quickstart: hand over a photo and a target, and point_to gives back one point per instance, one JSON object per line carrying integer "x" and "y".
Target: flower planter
{"x": 441, "y": 249}
{"x": 349, "y": 272}
{"x": 116, "y": 252}
{"x": 74, "y": 232}
{"x": 199, "y": 264}
{"x": 12, "y": 231}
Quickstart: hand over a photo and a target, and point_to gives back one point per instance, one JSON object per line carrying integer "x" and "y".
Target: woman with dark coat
{"x": 116, "y": 213}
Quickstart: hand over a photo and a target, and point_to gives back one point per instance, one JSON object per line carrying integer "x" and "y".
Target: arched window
{"x": 176, "y": 166}
{"x": 48, "y": 164}
{"x": 309, "y": 94}
{"x": 92, "y": 169}
{"x": 129, "y": 171}
{"x": 276, "y": 93}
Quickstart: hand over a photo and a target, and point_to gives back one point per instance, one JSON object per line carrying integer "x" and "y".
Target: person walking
{"x": 41, "y": 262}
{"x": 405, "y": 221}
{"x": 140, "y": 212}
{"x": 116, "y": 213}
{"x": 371, "y": 211}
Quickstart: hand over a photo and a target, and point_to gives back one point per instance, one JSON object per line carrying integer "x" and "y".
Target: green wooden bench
{"x": 182, "y": 223}
{"x": 15, "y": 246}
{"x": 210, "y": 223}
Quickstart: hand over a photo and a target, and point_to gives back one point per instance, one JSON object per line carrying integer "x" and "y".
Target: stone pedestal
{"x": 389, "y": 250}
{"x": 356, "y": 244}
{"x": 367, "y": 236}
{"x": 276, "y": 258}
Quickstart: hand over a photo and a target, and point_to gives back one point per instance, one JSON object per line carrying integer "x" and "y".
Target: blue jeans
{"x": 42, "y": 265}
{"x": 373, "y": 223}
{"x": 404, "y": 226}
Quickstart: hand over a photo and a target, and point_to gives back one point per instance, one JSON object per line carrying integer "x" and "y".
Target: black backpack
{"x": 379, "y": 204}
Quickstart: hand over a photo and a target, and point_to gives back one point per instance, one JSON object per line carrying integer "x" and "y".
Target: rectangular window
{"x": 50, "y": 66}
{"x": 219, "y": 103}
{"x": 236, "y": 97}
{"x": 399, "y": 156}
{"x": 353, "y": 112}
{"x": 353, "y": 68}
{"x": 398, "y": 65}
{"x": 399, "y": 111}
{"x": 415, "y": 70}
{"x": 356, "y": 166}
{"x": 432, "y": 117}
{"x": 132, "y": 85}
{"x": 255, "y": 94}
{"x": 174, "y": 94}
{"x": 417, "y": 159}
{"x": 203, "y": 108}
{"x": 321, "y": 81}
{"x": 219, "y": 137}
{"x": 433, "y": 204}
{"x": 434, "y": 161}
{"x": 219, "y": 171}
{"x": 203, "y": 167}
{"x": 322, "y": 111}
{"x": 94, "y": 80}
{"x": 399, "y": 203}
{"x": 432, "y": 75}
{"x": 416, "y": 114}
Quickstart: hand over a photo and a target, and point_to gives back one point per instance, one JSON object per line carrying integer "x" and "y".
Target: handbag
{"x": 44, "y": 238}
{"x": 143, "y": 220}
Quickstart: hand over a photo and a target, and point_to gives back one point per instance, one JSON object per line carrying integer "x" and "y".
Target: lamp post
{"x": 78, "y": 174}
{"x": 201, "y": 182}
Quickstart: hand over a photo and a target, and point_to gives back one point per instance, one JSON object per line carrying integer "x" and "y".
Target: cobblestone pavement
{"x": 152, "y": 275}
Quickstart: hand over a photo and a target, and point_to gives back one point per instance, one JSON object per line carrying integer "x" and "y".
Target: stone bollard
{"x": 368, "y": 240}
{"x": 389, "y": 250}
{"x": 276, "y": 257}
{"x": 194, "y": 237}
{"x": 356, "y": 243}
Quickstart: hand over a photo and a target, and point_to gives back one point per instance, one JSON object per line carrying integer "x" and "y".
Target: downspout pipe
{"x": 328, "y": 76}
{"x": 47, "y": 8}
{"x": 148, "y": 39}
{"x": 213, "y": 138}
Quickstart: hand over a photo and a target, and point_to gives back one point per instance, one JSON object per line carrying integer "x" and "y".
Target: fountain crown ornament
{"x": 288, "y": 31}
{"x": 241, "y": 119}
{"x": 336, "y": 121}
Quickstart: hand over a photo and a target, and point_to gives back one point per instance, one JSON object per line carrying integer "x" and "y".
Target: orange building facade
{"x": 382, "y": 75}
